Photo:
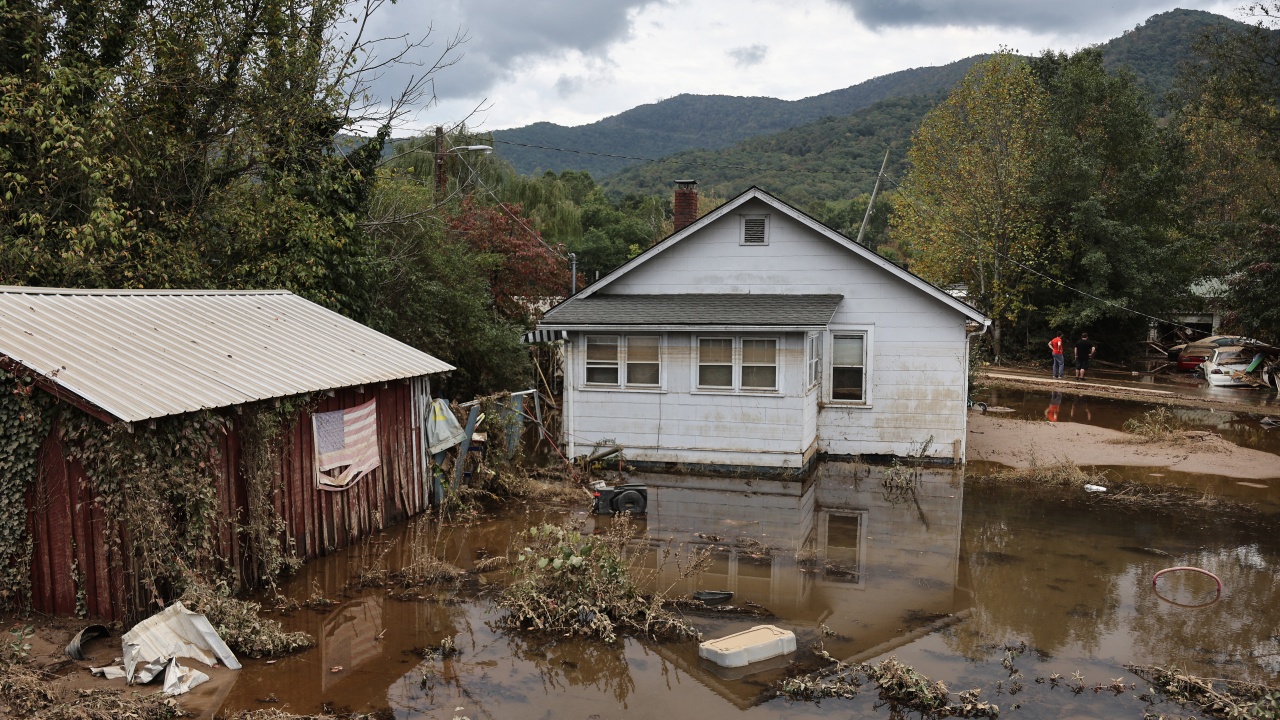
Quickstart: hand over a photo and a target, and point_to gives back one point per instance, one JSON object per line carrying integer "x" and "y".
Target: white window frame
{"x": 626, "y": 362}
{"x": 812, "y": 360}
{"x": 697, "y": 364}
{"x": 742, "y": 228}
{"x": 623, "y": 339}
{"x": 736, "y": 356}
{"x": 741, "y": 362}
{"x": 868, "y": 369}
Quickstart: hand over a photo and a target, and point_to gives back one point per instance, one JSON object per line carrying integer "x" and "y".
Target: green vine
{"x": 24, "y": 423}
{"x": 261, "y": 427}
{"x": 157, "y": 484}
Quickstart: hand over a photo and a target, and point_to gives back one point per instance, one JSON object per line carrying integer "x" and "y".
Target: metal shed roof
{"x": 140, "y": 354}
{"x": 693, "y": 309}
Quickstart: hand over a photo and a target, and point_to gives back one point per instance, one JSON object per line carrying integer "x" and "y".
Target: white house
{"x": 757, "y": 338}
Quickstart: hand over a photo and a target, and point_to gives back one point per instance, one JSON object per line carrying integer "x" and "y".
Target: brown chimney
{"x": 686, "y": 203}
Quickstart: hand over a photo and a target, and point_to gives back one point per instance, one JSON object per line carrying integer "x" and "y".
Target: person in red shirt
{"x": 1059, "y": 360}
{"x": 1055, "y": 405}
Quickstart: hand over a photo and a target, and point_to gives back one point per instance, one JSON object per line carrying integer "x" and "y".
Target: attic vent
{"x": 755, "y": 230}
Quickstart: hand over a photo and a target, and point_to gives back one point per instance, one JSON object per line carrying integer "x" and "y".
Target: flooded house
{"x": 351, "y": 460}
{"x": 756, "y": 338}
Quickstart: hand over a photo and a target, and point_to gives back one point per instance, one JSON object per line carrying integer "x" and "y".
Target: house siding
{"x": 918, "y": 353}
{"x": 681, "y": 424}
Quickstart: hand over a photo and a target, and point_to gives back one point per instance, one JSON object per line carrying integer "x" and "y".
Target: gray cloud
{"x": 748, "y": 56}
{"x": 502, "y": 35}
{"x": 1033, "y": 15}
{"x": 567, "y": 86}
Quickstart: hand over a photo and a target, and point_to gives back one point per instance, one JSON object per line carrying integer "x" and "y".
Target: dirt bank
{"x": 1157, "y": 396}
{"x": 1023, "y": 443}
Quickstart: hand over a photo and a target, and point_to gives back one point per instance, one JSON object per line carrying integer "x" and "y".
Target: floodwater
{"x": 946, "y": 577}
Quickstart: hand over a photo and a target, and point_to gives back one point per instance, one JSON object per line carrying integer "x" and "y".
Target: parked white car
{"x": 1225, "y": 362}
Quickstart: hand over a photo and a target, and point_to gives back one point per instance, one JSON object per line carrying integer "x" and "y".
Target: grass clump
{"x": 1158, "y": 425}
{"x": 566, "y": 582}
{"x": 1057, "y": 474}
{"x": 240, "y": 625}
{"x": 30, "y": 693}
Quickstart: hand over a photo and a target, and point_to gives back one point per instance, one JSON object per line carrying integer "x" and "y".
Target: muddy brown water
{"x": 841, "y": 559}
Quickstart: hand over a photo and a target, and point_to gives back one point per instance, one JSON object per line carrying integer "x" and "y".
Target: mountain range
{"x": 710, "y": 131}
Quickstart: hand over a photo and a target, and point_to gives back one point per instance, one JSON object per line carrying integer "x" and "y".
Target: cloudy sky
{"x": 576, "y": 61}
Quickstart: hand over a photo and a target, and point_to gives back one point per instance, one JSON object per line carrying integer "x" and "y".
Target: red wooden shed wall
{"x": 67, "y": 528}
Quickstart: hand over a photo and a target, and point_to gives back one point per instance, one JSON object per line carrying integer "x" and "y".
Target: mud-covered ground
{"x": 1026, "y": 443}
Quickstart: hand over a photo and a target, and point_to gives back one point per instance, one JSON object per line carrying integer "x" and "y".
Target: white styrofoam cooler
{"x": 759, "y": 643}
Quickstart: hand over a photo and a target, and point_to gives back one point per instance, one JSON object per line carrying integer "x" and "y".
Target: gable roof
{"x": 755, "y": 193}
{"x": 141, "y": 354}
{"x": 694, "y": 310}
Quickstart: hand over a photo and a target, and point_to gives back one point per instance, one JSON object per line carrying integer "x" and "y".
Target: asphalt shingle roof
{"x": 695, "y": 310}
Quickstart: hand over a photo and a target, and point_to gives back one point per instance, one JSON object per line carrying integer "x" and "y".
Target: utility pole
{"x": 573, "y": 274}
{"x": 872, "y": 202}
{"x": 442, "y": 182}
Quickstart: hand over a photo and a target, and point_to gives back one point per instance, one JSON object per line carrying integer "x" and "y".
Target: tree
{"x": 191, "y": 144}
{"x": 525, "y": 273}
{"x": 1109, "y": 188}
{"x": 1230, "y": 117}
{"x": 967, "y": 208}
{"x": 432, "y": 291}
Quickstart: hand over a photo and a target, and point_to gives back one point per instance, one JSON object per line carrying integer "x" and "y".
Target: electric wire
{"x": 536, "y": 235}
{"x": 974, "y": 242}
{"x": 977, "y": 245}
{"x": 673, "y": 161}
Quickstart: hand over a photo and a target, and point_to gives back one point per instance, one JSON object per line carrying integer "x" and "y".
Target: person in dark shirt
{"x": 1084, "y": 352}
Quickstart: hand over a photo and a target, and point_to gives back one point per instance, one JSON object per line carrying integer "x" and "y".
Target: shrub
{"x": 570, "y": 583}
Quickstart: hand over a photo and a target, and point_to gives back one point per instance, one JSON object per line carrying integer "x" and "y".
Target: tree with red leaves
{"x": 526, "y": 273}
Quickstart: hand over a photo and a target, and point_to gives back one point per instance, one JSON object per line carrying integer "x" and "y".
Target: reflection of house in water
{"x": 870, "y": 562}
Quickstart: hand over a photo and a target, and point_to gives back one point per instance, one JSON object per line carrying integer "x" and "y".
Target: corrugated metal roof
{"x": 694, "y": 309}
{"x": 141, "y": 354}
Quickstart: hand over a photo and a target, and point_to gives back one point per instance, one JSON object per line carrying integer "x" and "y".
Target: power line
{"x": 977, "y": 245}
{"x": 537, "y": 236}
{"x": 673, "y": 161}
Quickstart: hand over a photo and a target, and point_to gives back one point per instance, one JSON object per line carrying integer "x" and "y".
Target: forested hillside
{"x": 833, "y": 158}
{"x": 703, "y": 122}
{"x": 1152, "y": 52}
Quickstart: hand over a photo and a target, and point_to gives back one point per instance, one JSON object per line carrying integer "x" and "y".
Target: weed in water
{"x": 1228, "y": 699}
{"x": 568, "y": 582}
{"x": 1158, "y": 425}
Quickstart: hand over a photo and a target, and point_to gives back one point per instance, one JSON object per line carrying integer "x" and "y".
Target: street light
{"x": 441, "y": 152}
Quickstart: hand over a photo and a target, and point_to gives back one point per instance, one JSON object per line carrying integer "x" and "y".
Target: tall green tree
{"x": 1230, "y": 117}
{"x": 968, "y": 208}
{"x": 188, "y": 145}
{"x": 1109, "y": 185}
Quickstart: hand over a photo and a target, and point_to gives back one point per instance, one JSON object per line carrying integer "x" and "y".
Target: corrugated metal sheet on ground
{"x": 141, "y": 354}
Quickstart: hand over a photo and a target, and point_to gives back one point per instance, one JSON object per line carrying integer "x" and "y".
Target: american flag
{"x": 346, "y": 438}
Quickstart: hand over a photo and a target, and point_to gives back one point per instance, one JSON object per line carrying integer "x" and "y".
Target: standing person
{"x": 1059, "y": 361}
{"x": 1084, "y": 352}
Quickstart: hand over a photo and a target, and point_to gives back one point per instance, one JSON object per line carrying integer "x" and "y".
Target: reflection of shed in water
{"x": 349, "y": 639}
{"x": 870, "y": 563}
